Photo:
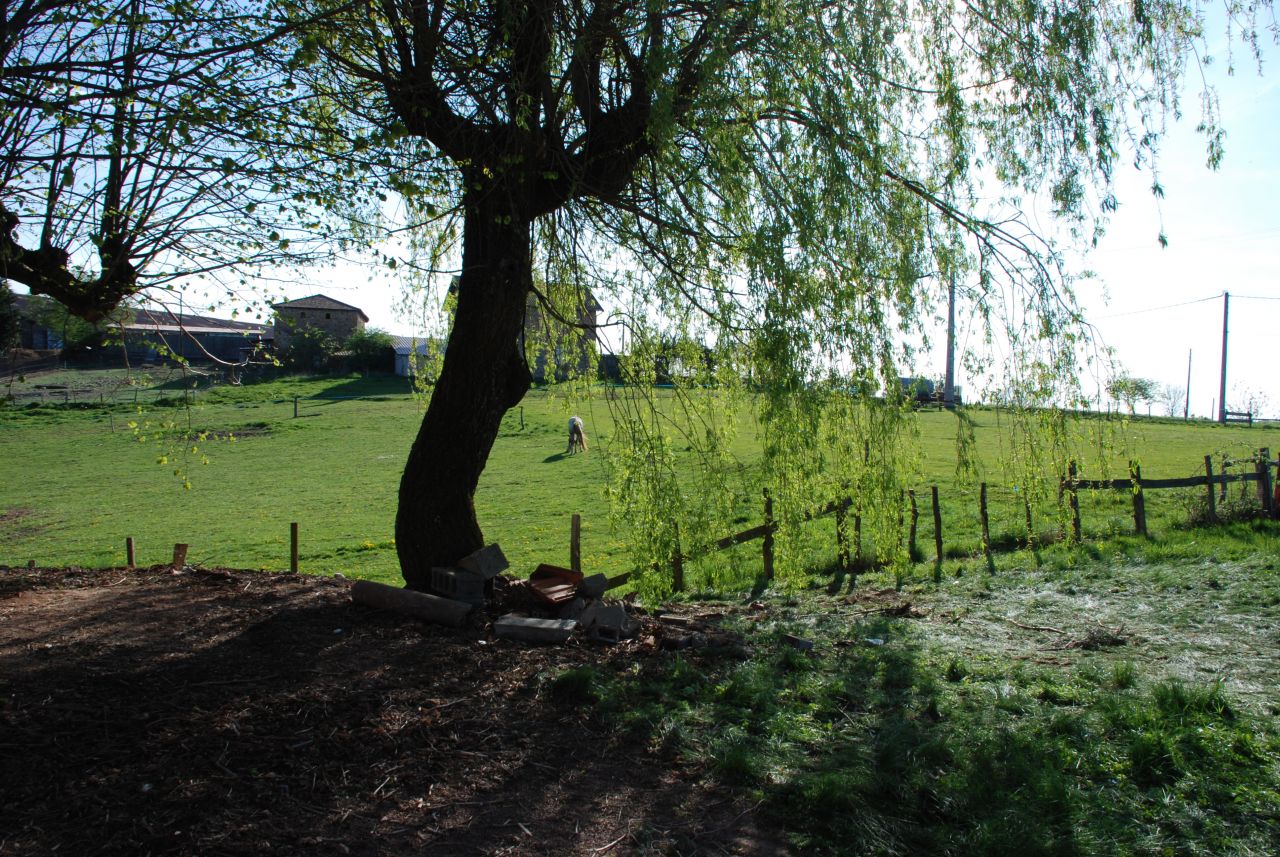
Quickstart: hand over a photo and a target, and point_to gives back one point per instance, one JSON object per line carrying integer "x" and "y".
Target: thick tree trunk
{"x": 484, "y": 375}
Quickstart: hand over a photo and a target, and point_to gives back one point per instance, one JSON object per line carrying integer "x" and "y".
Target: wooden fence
{"x": 849, "y": 558}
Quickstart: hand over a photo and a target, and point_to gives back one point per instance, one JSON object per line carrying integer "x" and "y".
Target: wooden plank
{"x": 744, "y": 536}
{"x": 575, "y": 543}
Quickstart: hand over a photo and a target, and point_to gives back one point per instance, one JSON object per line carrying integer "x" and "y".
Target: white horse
{"x": 577, "y": 437}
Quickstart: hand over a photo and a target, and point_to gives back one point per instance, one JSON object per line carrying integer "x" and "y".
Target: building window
{"x": 326, "y": 315}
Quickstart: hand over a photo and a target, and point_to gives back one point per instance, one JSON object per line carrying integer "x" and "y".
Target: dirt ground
{"x": 219, "y": 712}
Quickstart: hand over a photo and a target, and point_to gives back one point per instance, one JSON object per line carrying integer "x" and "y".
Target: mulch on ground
{"x": 226, "y": 712}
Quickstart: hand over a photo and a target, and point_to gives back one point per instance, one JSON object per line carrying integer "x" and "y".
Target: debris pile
{"x": 552, "y": 606}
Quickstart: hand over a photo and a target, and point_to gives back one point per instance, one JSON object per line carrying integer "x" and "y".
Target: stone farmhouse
{"x": 337, "y": 319}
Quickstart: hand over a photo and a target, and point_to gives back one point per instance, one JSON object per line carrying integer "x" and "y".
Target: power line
{"x": 1160, "y": 308}
{"x": 1257, "y": 297}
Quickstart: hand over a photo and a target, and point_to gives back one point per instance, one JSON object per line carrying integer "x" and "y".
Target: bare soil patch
{"x": 231, "y": 712}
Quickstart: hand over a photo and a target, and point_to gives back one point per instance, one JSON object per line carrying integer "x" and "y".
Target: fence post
{"x": 842, "y": 538}
{"x": 1222, "y": 496}
{"x": 575, "y": 543}
{"x": 1031, "y": 528}
{"x": 1275, "y": 491}
{"x": 1264, "y": 483}
{"x": 128, "y": 552}
{"x": 1139, "y": 501}
{"x": 911, "y": 534}
{"x": 179, "y": 557}
{"x": 1073, "y": 500}
{"x": 677, "y": 564}
{"x": 1208, "y": 477}
{"x": 295, "y": 407}
{"x": 986, "y": 526}
{"x": 937, "y": 536}
{"x": 293, "y": 547}
{"x": 766, "y": 549}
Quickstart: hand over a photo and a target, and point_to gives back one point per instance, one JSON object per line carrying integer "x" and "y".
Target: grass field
{"x": 1116, "y": 697}
{"x": 78, "y": 479}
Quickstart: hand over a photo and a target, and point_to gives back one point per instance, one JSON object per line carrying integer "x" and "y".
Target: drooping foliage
{"x": 791, "y": 180}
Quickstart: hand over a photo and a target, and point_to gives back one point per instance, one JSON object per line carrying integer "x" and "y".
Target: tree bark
{"x": 484, "y": 375}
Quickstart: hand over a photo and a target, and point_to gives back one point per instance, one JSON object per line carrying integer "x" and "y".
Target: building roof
{"x": 166, "y": 321}
{"x": 319, "y": 302}
{"x": 405, "y": 344}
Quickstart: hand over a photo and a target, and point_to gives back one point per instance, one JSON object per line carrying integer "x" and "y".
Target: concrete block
{"x": 607, "y": 622}
{"x": 458, "y": 585}
{"x": 534, "y": 630}
{"x": 488, "y": 562}
{"x": 593, "y": 586}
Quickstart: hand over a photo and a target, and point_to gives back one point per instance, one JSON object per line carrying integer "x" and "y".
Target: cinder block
{"x": 607, "y": 622}
{"x": 458, "y": 585}
{"x": 534, "y": 630}
{"x": 488, "y": 562}
{"x": 593, "y": 586}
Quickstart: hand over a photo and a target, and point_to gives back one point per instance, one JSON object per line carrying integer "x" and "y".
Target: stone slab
{"x": 593, "y": 586}
{"x": 534, "y": 630}
{"x": 488, "y": 562}
{"x": 458, "y": 585}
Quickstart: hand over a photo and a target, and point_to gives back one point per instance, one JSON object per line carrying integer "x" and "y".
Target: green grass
{"x": 909, "y": 736}
{"x": 78, "y": 481}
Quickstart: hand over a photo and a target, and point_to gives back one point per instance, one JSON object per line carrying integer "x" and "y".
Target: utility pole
{"x": 1186, "y": 402}
{"x": 949, "y": 385}
{"x": 1222, "y": 388}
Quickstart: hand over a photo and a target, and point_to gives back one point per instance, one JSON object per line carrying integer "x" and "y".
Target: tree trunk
{"x": 484, "y": 375}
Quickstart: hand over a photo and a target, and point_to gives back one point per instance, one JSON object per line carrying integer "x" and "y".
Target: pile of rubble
{"x": 554, "y": 603}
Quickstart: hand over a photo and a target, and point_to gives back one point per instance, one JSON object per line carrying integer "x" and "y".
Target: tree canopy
{"x": 135, "y": 138}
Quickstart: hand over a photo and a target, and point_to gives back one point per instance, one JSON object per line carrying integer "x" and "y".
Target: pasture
{"x": 80, "y": 477}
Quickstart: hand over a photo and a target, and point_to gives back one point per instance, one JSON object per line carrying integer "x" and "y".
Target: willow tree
{"x": 797, "y": 171}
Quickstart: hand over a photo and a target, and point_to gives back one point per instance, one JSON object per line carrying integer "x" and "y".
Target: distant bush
{"x": 370, "y": 350}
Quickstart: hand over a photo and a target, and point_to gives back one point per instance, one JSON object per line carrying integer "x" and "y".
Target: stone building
{"x": 337, "y": 319}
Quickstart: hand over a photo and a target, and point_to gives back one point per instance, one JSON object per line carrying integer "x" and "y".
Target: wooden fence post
{"x": 986, "y": 526}
{"x": 295, "y": 407}
{"x": 1208, "y": 476}
{"x": 677, "y": 564}
{"x": 1275, "y": 491}
{"x": 128, "y": 552}
{"x": 293, "y": 547}
{"x": 842, "y": 537}
{"x": 179, "y": 557}
{"x": 1073, "y": 500}
{"x": 1026, "y": 508}
{"x": 911, "y": 534}
{"x": 1139, "y": 501}
{"x": 575, "y": 543}
{"x": 937, "y": 535}
{"x": 766, "y": 549}
{"x": 1264, "y": 483}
